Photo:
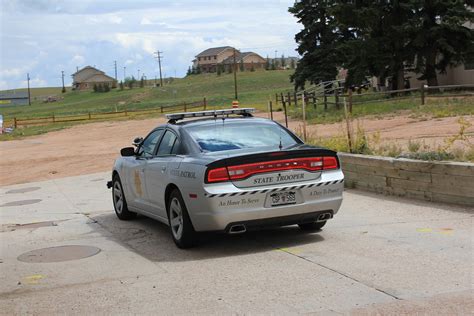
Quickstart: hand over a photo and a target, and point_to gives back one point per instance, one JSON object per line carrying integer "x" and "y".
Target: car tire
{"x": 182, "y": 230}
{"x": 120, "y": 203}
{"x": 314, "y": 226}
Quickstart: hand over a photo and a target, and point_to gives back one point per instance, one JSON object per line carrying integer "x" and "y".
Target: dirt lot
{"x": 93, "y": 147}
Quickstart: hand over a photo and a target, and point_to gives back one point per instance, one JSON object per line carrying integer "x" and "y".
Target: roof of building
{"x": 93, "y": 77}
{"x": 13, "y": 95}
{"x": 239, "y": 57}
{"x": 87, "y": 67}
{"x": 213, "y": 51}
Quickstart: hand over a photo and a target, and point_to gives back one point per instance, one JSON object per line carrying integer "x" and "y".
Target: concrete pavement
{"x": 379, "y": 255}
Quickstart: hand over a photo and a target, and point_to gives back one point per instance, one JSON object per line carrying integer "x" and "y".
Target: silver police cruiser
{"x": 227, "y": 171}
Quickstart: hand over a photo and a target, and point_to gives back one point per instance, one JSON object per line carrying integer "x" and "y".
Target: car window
{"x": 220, "y": 137}
{"x": 148, "y": 146}
{"x": 167, "y": 143}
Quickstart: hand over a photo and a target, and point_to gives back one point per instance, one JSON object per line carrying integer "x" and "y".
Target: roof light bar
{"x": 180, "y": 116}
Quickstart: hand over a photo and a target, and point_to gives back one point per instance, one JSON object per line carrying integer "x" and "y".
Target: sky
{"x": 45, "y": 37}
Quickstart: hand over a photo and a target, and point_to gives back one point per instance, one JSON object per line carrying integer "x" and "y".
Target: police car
{"x": 227, "y": 171}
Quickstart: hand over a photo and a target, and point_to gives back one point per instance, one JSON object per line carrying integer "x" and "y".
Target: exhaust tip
{"x": 237, "y": 229}
{"x": 324, "y": 217}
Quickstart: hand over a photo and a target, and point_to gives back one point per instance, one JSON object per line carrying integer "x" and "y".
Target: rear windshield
{"x": 241, "y": 135}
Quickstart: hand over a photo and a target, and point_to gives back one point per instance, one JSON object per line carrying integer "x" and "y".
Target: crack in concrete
{"x": 340, "y": 273}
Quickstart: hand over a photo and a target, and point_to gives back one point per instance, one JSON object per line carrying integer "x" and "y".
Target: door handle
{"x": 163, "y": 169}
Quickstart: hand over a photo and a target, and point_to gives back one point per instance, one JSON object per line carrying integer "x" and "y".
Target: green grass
{"x": 254, "y": 90}
{"x": 436, "y": 108}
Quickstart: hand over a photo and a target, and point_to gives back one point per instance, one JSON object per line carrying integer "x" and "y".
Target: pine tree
{"x": 441, "y": 36}
{"x": 189, "y": 72}
{"x": 241, "y": 65}
{"x": 142, "y": 82}
{"x": 283, "y": 61}
{"x": 292, "y": 63}
{"x": 267, "y": 63}
{"x": 100, "y": 88}
{"x": 121, "y": 85}
{"x": 106, "y": 87}
{"x": 318, "y": 42}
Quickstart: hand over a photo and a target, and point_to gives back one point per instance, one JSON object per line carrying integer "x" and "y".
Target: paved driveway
{"x": 379, "y": 254}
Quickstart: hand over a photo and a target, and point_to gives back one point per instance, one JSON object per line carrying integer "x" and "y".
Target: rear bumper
{"x": 220, "y": 207}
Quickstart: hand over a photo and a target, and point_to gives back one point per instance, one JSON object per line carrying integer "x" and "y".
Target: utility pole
{"x": 115, "y": 66}
{"x": 124, "y": 68}
{"x": 77, "y": 69}
{"x": 29, "y": 94}
{"x": 62, "y": 77}
{"x": 158, "y": 57}
{"x": 235, "y": 77}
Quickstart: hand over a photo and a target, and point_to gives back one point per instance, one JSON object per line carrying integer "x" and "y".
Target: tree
{"x": 292, "y": 63}
{"x": 241, "y": 65}
{"x": 142, "y": 82}
{"x": 198, "y": 70}
{"x": 283, "y": 61}
{"x": 219, "y": 69}
{"x": 63, "y": 90}
{"x": 95, "y": 88}
{"x": 376, "y": 40}
{"x": 318, "y": 42}
{"x": 100, "y": 88}
{"x": 441, "y": 38}
{"x": 121, "y": 85}
{"x": 106, "y": 87}
{"x": 267, "y": 63}
{"x": 189, "y": 72}
{"x": 274, "y": 67}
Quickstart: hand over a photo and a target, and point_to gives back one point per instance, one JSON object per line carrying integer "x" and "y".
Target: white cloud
{"x": 78, "y": 59}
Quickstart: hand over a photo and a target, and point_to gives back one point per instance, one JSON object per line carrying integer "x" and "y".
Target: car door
{"x": 136, "y": 170}
{"x": 157, "y": 172}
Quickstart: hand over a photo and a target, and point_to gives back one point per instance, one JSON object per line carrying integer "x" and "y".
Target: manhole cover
{"x": 58, "y": 254}
{"x": 22, "y": 202}
{"x": 23, "y": 190}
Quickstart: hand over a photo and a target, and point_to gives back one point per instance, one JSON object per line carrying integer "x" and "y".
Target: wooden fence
{"x": 19, "y": 122}
{"x": 336, "y": 95}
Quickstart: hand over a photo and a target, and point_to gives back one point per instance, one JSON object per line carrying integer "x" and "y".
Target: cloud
{"x": 59, "y": 35}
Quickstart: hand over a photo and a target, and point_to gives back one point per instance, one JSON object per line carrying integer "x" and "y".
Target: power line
{"x": 158, "y": 57}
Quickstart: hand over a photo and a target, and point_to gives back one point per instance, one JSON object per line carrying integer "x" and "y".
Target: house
{"x": 13, "y": 97}
{"x": 248, "y": 59}
{"x": 209, "y": 59}
{"x": 87, "y": 77}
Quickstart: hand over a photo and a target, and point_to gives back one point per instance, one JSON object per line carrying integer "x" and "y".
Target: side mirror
{"x": 127, "y": 151}
{"x": 137, "y": 141}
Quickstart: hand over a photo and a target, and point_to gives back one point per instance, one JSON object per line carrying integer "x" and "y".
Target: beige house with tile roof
{"x": 87, "y": 77}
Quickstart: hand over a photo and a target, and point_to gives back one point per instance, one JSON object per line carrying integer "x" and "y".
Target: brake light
{"x": 243, "y": 171}
{"x": 217, "y": 175}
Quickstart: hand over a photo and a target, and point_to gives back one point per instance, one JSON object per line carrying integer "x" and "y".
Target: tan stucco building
{"x": 209, "y": 59}
{"x": 87, "y": 77}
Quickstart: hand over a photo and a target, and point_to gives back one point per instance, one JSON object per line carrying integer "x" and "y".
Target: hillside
{"x": 254, "y": 88}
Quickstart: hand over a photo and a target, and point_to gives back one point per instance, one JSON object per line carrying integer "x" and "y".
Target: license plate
{"x": 283, "y": 198}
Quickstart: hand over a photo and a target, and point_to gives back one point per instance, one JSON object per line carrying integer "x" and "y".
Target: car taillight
{"x": 243, "y": 171}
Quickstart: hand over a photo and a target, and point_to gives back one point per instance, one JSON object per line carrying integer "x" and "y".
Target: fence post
{"x": 271, "y": 109}
{"x": 422, "y": 89}
{"x": 14, "y": 123}
{"x": 54, "y": 118}
{"x": 350, "y": 100}
{"x": 276, "y": 98}
{"x": 304, "y": 115}
{"x": 336, "y": 96}
{"x": 282, "y": 99}
{"x": 314, "y": 99}
{"x": 161, "y": 108}
{"x": 325, "y": 100}
{"x": 90, "y": 115}
{"x": 184, "y": 106}
{"x": 289, "y": 99}
{"x": 205, "y": 103}
{"x": 286, "y": 115}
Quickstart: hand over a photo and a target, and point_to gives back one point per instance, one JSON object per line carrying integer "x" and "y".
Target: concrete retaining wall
{"x": 450, "y": 182}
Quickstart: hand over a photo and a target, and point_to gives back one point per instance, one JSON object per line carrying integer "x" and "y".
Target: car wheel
{"x": 120, "y": 204}
{"x": 314, "y": 226}
{"x": 182, "y": 229}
